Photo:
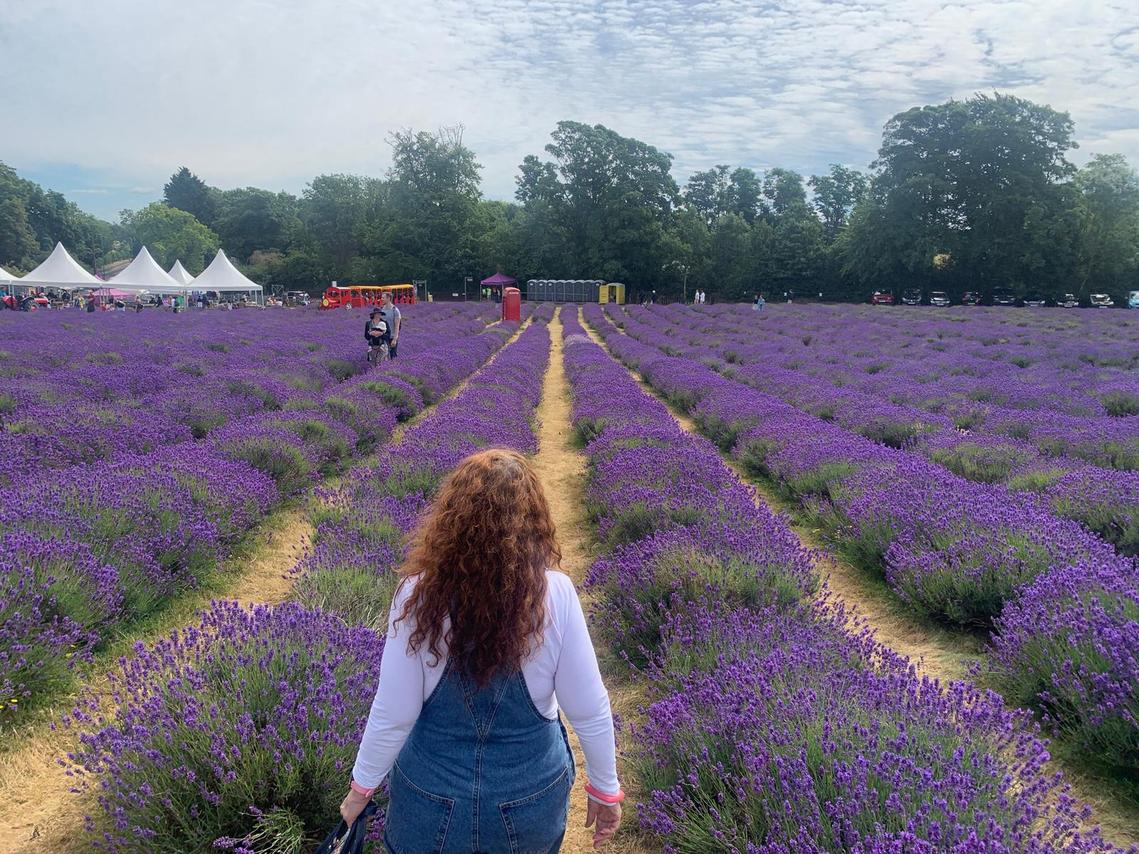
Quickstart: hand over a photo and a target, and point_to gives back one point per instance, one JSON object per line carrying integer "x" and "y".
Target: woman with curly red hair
{"x": 486, "y": 642}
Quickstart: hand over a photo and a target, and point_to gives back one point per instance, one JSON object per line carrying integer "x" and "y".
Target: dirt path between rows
{"x": 935, "y": 652}
{"x": 38, "y": 810}
{"x": 562, "y": 469}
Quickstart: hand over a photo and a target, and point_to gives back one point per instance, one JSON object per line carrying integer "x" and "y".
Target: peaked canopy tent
{"x": 5, "y": 277}
{"x": 180, "y": 274}
{"x": 59, "y": 270}
{"x": 223, "y": 277}
{"x": 494, "y": 285}
{"x": 144, "y": 274}
{"x": 499, "y": 280}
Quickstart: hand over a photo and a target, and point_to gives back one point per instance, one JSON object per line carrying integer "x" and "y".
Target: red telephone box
{"x": 511, "y": 304}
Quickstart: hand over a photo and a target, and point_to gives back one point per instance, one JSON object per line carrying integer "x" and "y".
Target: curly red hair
{"x": 480, "y": 558}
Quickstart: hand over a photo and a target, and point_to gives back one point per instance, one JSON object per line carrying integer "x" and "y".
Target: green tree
{"x": 717, "y": 191}
{"x": 745, "y": 194}
{"x": 707, "y": 192}
{"x": 610, "y": 200}
{"x": 435, "y": 197}
{"x": 784, "y": 191}
{"x": 17, "y": 241}
{"x": 187, "y": 192}
{"x": 171, "y": 234}
{"x": 336, "y": 211}
{"x": 1107, "y": 222}
{"x": 835, "y": 196}
{"x": 981, "y": 179}
{"x": 250, "y": 220}
{"x": 732, "y": 264}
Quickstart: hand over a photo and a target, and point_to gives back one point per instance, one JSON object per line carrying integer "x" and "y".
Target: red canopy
{"x": 499, "y": 279}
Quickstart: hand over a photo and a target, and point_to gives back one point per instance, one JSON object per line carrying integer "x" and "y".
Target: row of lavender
{"x": 1061, "y": 603}
{"x": 774, "y": 723}
{"x": 88, "y": 550}
{"x": 240, "y": 732}
{"x": 83, "y": 390}
{"x": 361, "y": 526}
{"x": 1084, "y": 467}
{"x": 973, "y": 365}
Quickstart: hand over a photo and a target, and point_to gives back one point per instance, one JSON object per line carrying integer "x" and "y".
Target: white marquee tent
{"x": 223, "y": 277}
{"x": 144, "y": 274}
{"x": 180, "y": 274}
{"x": 5, "y": 276}
{"x": 59, "y": 270}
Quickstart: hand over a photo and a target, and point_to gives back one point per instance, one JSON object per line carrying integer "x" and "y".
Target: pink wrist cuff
{"x": 360, "y": 790}
{"x": 603, "y": 797}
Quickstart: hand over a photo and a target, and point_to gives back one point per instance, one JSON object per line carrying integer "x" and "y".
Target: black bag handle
{"x": 348, "y": 840}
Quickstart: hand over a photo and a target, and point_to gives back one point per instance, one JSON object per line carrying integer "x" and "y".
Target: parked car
{"x": 1101, "y": 301}
{"x": 1035, "y": 301}
{"x": 882, "y": 298}
{"x": 1004, "y": 297}
{"x": 296, "y": 298}
{"x": 911, "y": 296}
{"x": 1133, "y": 299}
{"x": 970, "y": 298}
{"x": 939, "y": 298}
{"x": 1069, "y": 301}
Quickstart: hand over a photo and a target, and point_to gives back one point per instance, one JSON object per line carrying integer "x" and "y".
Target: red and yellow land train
{"x": 358, "y": 296}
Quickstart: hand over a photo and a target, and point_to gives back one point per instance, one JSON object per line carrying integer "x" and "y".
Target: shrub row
{"x": 239, "y": 733}
{"x": 773, "y": 723}
{"x": 964, "y": 552}
{"x": 92, "y": 549}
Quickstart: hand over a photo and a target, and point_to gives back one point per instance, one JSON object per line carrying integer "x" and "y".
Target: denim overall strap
{"x": 482, "y": 771}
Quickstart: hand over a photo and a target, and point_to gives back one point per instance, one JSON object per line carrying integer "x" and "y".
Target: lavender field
{"x": 979, "y": 466}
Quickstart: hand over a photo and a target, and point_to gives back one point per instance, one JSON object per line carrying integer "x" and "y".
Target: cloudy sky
{"x": 104, "y": 99}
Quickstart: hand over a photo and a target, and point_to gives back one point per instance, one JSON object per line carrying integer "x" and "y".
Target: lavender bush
{"x": 781, "y": 739}
{"x": 776, "y": 725}
{"x": 250, "y": 710}
{"x": 361, "y": 527}
{"x": 140, "y": 465}
{"x": 964, "y": 551}
{"x": 1070, "y": 644}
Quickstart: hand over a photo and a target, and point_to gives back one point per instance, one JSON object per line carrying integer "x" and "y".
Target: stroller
{"x": 377, "y": 335}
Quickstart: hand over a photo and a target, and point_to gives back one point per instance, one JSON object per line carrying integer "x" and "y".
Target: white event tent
{"x": 180, "y": 274}
{"x": 223, "y": 277}
{"x": 5, "y": 276}
{"x": 144, "y": 274}
{"x": 59, "y": 270}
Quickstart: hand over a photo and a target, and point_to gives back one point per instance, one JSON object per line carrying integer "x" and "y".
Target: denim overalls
{"x": 482, "y": 771}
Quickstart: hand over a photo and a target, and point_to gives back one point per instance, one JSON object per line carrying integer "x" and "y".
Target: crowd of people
{"x": 34, "y": 299}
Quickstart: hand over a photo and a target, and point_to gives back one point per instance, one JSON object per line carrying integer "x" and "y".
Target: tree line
{"x": 966, "y": 195}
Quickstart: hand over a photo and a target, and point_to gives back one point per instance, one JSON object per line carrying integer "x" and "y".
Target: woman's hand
{"x": 607, "y": 817}
{"x": 352, "y": 805}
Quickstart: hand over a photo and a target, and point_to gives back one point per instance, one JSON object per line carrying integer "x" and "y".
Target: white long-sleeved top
{"x": 563, "y": 670}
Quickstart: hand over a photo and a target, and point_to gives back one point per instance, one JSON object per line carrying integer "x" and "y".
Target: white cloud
{"x": 271, "y": 92}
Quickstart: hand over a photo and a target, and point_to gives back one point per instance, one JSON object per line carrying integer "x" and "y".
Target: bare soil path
{"x": 936, "y": 652}
{"x": 562, "y": 468}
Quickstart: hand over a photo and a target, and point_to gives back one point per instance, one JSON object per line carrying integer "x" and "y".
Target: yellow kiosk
{"x": 613, "y": 292}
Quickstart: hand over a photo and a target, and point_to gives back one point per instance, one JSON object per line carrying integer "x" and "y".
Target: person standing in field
{"x": 391, "y": 317}
{"x": 486, "y": 642}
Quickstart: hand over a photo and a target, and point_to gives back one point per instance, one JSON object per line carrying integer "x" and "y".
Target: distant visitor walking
{"x": 486, "y": 642}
